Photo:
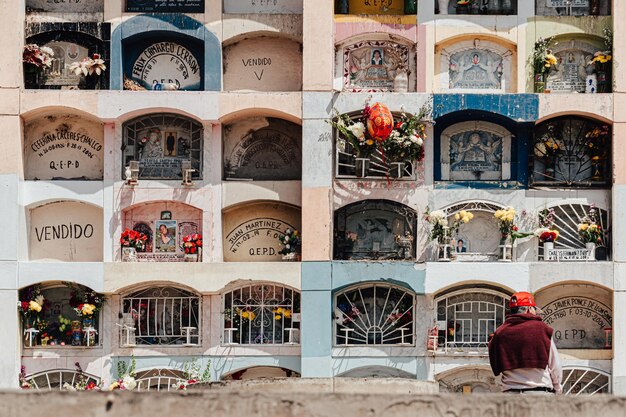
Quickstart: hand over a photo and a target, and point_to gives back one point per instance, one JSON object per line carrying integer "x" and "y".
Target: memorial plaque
{"x": 573, "y": 67}
{"x": 167, "y": 66}
{"x": 567, "y": 3}
{"x": 263, "y": 6}
{"x": 263, "y": 64}
{"x": 476, "y": 69}
{"x": 270, "y": 149}
{"x": 251, "y": 231}
{"x": 65, "y": 53}
{"x": 63, "y": 147}
{"x": 569, "y": 255}
{"x": 66, "y": 231}
{"x": 579, "y": 321}
{"x": 161, "y": 143}
{"x": 165, "y": 6}
{"x": 65, "y": 6}
{"x": 373, "y": 65}
{"x": 376, "y": 6}
{"x": 475, "y": 151}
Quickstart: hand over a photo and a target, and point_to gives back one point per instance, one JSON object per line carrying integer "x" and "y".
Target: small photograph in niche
{"x": 182, "y": 147}
{"x": 170, "y": 144}
{"x": 165, "y": 240}
{"x": 377, "y": 57}
{"x": 166, "y": 215}
{"x": 461, "y": 245}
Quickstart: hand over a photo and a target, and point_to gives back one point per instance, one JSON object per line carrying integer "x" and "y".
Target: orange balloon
{"x": 379, "y": 122}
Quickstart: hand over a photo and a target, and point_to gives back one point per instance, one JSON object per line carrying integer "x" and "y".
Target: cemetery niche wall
{"x": 63, "y": 147}
{"x": 165, "y": 224}
{"x": 160, "y": 6}
{"x": 161, "y": 143}
{"x": 572, "y": 151}
{"x": 488, "y": 7}
{"x": 263, "y": 149}
{"x": 70, "y": 43}
{"x": 56, "y": 6}
{"x": 263, "y": 6}
{"x": 572, "y": 7}
{"x": 374, "y": 229}
{"x": 377, "y": 65}
{"x": 252, "y": 230}
{"x": 581, "y": 315}
{"x": 66, "y": 231}
{"x": 163, "y": 61}
{"x": 263, "y": 63}
{"x": 477, "y": 65}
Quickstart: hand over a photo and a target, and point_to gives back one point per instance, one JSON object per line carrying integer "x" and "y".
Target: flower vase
{"x": 540, "y": 83}
{"x": 591, "y": 84}
{"x": 597, "y": 168}
{"x": 591, "y": 248}
{"x": 444, "y": 250}
{"x": 594, "y": 7}
{"x": 401, "y": 82}
{"x": 547, "y": 247}
{"x": 291, "y": 257}
{"x": 192, "y": 257}
{"x": 603, "y": 75}
{"x": 396, "y": 170}
{"x": 549, "y": 172}
{"x": 506, "y": 249}
{"x": 410, "y": 7}
{"x": 361, "y": 165}
{"x": 443, "y": 6}
{"x": 77, "y": 333}
{"x": 89, "y": 338}
{"x": 91, "y": 82}
{"x": 129, "y": 254}
{"x": 462, "y": 9}
{"x": 33, "y": 76}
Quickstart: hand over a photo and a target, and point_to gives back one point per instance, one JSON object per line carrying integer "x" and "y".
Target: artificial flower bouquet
{"x": 125, "y": 376}
{"x": 589, "y": 230}
{"x": 291, "y": 242}
{"x": 546, "y": 235}
{"x": 192, "y": 243}
{"x": 406, "y": 142}
{"x": 38, "y": 56}
{"x": 439, "y": 226}
{"x": 133, "y": 239}
{"x": 89, "y": 66}
{"x": 31, "y": 304}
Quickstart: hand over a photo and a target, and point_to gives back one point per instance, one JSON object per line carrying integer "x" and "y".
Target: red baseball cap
{"x": 523, "y": 299}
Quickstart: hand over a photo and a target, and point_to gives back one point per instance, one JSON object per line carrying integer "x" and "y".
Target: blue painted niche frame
{"x": 170, "y": 27}
{"x": 515, "y": 112}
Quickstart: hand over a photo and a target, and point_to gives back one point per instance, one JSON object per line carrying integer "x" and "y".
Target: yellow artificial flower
{"x": 287, "y": 314}
{"x": 277, "y": 316}
{"x": 114, "y": 386}
{"x": 369, "y": 142}
{"x": 583, "y": 226}
{"x": 245, "y": 314}
{"x": 457, "y": 216}
{"x": 594, "y": 226}
{"x": 34, "y": 306}
{"x": 88, "y": 309}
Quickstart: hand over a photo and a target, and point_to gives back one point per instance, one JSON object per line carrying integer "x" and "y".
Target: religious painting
{"x": 374, "y": 65}
{"x": 475, "y": 69}
{"x": 144, "y": 228}
{"x": 475, "y": 151}
{"x": 165, "y": 236}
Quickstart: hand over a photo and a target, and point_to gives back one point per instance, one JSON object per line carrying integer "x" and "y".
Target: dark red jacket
{"x": 523, "y": 341}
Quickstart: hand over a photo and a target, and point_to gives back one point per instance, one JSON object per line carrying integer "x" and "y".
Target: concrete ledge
{"x": 310, "y": 405}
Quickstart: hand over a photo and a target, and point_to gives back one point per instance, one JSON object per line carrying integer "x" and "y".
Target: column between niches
{"x": 108, "y": 190}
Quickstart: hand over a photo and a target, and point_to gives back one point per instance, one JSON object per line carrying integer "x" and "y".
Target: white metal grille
{"x": 585, "y": 381}
{"x": 374, "y": 314}
{"x": 567, "y": 217}
{"x": 261, "y": 314}
{"x": 54, "y": 379}
{"x": 164, "y": 316}
{"x": 159, "y": 380}
{"x": 467, "y": 319}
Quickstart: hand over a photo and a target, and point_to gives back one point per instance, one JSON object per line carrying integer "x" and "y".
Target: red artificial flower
{"x": 199, "y": 242}
{"x": 25, "y": 305}
{"x": 90, "y": 386}
{"x": 515, "y": 228}
{"x": 95, "y": 56}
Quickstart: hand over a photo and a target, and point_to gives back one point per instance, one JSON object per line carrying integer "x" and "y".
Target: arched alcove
{"x": 467, "y": 379}
{"x": 374, "y": 229}
{"x": 62, "y": 145}
{"x": 262, "y": 149}
{"x": 376, "y": 371}
{"x": 260, "y": 372}
{"x": 56, "y": 379}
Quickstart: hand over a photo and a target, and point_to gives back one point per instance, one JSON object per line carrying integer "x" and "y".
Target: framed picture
{"x": 165, "y": 236}
{"x": 169, "y": 144}
{"x": 166, "y": 215}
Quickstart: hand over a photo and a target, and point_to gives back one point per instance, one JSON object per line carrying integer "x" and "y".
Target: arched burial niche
{"x": 263, "y": 63}
{"x": 573, "y": 8}
{"x": 376, "y": 371}
{"x": 376, "y": 63}
{"x": 252, "y": 230}
{"x": 161, "y": 315}
{"x": 374, "y": 314}
{"x": 580, "y": 314}
{"x": 572, "y": 151}
{"x": 374, "y": 229}
{"x": 467, "y": 316}
{"x": 55, "y": 379}
{"x": 568, "y": 217}
{"x": 69, "y": 315}
{"x": 159, "y": 379}
{"x": 260, "y": 372}
{"x": 165, "y": 223}
{"x": 263, "y": 7}
{"x": 66, "y": 231}
{"x": 476, "y": 64}
{"x": 161, "y": 60}
{"x": 263, "y": 149}
{"x": 161, "y": 142}
{"x": 467, "y": 379}
{"x": 259, "y": 314}
{"x": 62, "y": 146}
{"x": 475, "y": 151}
